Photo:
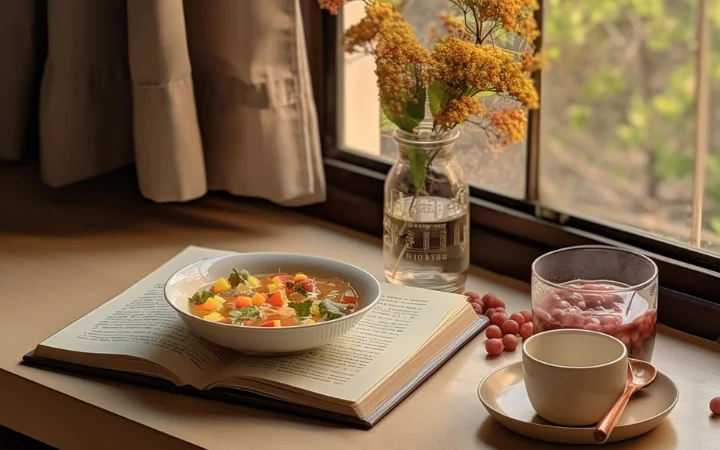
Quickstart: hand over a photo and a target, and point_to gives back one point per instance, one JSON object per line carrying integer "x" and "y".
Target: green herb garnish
{"x": 331, "y": 310}
{"x": 302, "y": 309}
{"x": 246, "y": 313}
{"x": 200, "y": 297}
{"x": 235, "y": 279}
{"x": 239, "y": 278}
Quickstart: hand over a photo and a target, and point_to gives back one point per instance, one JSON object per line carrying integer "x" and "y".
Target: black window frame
{"x": 507, "y": 234}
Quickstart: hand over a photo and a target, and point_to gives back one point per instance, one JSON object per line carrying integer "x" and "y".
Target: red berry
{"x": 572, "y": 320}
{"x": 498, "y": 318}
{"x": 542, "y": 314}
{"x": 715, "y": 406}
{"x": 477, "y": 307}
{"x": 307, "y": 285}
{"x": 494, "y": 347}
{"x": 562, "y": 304}
{"x": 519, "y": 318}
{"x": 510, "y": 341}
{"x": 526, "y": 330}
{"x": 527, "y": 315}
{"x": 489, "y": 312}
{"x": 557, "y": 314}
{"x": 510, "y": 327}
{"x": 493, "y": 301}
{"x": 472, "y": 296}
{"x": 493, "y": 332}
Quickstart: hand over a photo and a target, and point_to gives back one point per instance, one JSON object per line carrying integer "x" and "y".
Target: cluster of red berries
{"x": 503, "y": 332}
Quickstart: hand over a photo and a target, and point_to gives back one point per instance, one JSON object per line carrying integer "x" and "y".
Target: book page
{"x": 349, "y": 367}
{"x": 140, "y": 323}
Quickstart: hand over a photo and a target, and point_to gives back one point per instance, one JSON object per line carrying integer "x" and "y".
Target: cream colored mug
{"x": 573, "y": 377}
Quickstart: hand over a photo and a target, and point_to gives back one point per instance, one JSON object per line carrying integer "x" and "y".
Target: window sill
{"x": 506, "y": 238}
{"x": 131, "y": 237}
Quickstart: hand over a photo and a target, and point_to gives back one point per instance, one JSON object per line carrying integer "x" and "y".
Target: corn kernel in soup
{"x": 274, "y": 300}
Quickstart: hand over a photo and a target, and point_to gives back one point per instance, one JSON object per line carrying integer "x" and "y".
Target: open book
{"x": 357, "y": 379}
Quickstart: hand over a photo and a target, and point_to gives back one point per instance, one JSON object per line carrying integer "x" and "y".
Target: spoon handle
{"x": 607, "y": 423}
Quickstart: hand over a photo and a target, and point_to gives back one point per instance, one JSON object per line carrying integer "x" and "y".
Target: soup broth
{"x": 274, "y": 300}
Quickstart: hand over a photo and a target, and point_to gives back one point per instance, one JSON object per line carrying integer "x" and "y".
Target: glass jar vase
{"x": 426, "y": 219}
{"x": 598, "y": 288}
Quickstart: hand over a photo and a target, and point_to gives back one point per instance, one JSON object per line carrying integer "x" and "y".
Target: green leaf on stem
{"x": 385, "y": 123}
{"x": 436, "y": 93}
{"x": 410, "y": 114}
{"x": 418, "y": 158}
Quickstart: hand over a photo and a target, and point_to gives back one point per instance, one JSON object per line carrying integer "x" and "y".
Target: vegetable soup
{"x": 274, "y": 300}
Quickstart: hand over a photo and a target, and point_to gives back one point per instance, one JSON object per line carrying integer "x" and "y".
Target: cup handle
{"x": 607, "y": 423}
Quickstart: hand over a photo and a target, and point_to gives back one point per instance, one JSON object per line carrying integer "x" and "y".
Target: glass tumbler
{"x": 598, "y": 288}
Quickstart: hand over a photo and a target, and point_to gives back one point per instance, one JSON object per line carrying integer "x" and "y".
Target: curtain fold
{"x": 85, "y": 102}
{"x": 22, "y": 54}
{"x": 199, "y": 94}
{"x": 168, "y": 146}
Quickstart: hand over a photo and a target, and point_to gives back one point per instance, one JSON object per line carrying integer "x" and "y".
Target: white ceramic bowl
{"x": 269, "y": 341}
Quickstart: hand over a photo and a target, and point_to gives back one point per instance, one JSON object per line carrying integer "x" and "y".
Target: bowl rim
{"x": 285, "y": 254}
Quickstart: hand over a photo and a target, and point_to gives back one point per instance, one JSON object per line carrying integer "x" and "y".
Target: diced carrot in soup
{"x": 278, "y": 299}
{"x": 211, "y": 304}
{"x": 259, "y": 298}
{"x": 349, "y": 300}
{"x": 271, "y": 324}
{"x": 242, "y": 301}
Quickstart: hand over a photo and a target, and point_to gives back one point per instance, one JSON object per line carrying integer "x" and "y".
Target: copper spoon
{"x": 640, "y": 374}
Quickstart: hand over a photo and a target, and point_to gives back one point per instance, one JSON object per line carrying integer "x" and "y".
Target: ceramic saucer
{"x": 503, "y": 395}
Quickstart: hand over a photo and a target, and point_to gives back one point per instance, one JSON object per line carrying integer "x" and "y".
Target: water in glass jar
{"x": 426, "y": 243}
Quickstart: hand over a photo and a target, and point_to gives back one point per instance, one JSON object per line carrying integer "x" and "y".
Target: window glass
{"x": 618, "y": 115}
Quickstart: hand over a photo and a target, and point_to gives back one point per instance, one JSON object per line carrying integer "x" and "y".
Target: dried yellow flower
{"x": 465, "y": 66}
{"x": 457, "y": 111}
{"x": 331, "y": 5}
{"x": 504, "y": 126}
{"x": 400, "y": 60}
{"x": 530, "y": 62}
{"x": 516, "y": 16}
{"x": 452, "y": 25}
{"x": 463, "y": 63}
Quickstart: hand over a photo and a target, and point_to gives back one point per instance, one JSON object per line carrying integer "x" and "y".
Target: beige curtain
{"x": 199, "y": 94}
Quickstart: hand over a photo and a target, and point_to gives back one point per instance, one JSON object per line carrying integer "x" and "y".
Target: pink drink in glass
{"x": 592, "y": 305}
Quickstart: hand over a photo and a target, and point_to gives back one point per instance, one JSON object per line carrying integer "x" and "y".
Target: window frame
{"x": 507, "y": 234}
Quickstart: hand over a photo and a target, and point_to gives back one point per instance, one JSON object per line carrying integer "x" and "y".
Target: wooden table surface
{"x": 63, "y": 253}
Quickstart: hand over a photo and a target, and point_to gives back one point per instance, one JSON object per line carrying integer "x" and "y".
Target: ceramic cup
{"x": 573, "y": 377}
